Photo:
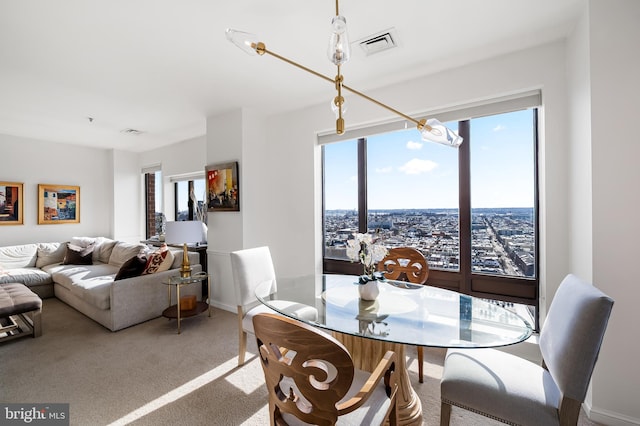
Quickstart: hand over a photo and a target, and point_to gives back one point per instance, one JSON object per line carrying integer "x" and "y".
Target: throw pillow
{"x": 122, "y": 252}
{"x": 82, "y": 241}
{"x": 103, "y": 248}
{"x": 132, "y": 268}
{"x": 159, "y": 261}
{"x": 76, "y": 255}
{"x": 50, "y": 253}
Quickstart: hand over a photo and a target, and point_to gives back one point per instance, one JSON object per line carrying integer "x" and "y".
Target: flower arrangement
{"x": 365, "y": 249}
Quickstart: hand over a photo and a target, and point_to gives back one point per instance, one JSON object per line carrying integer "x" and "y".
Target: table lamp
{"x": 185, "y": 232}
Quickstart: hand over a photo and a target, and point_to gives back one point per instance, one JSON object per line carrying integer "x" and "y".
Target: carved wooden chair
{"x": 407, "y": 264}
{"x": 311, "y": 378}
{"x": 515, "y": 391}
{"x": 251, "y": 268}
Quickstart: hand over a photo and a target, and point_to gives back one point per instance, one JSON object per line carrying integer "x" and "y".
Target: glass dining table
{"x": 402, "y": 314}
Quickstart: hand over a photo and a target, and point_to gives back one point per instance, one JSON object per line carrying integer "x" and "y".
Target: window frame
{"x": 190, "y": 179}
{"x": 522, "y": 290}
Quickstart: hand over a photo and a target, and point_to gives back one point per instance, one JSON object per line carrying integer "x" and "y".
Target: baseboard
{"x": 224, "y": 307}
{"x": 609, "y": 418}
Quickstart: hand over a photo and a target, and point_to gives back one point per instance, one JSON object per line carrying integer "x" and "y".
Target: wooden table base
{"x": 366, "y": 353}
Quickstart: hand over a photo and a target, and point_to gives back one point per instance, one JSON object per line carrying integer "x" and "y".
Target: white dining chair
{"x": 251, "y": 268}
{"x": 515, "y": 391}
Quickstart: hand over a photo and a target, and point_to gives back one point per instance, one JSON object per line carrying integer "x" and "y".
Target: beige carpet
{"x": 149, "y": 375}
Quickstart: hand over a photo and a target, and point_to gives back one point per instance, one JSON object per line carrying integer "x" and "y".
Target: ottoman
{"x": 17, "y": 302}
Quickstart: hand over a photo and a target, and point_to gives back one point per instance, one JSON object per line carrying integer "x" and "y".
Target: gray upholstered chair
{"x": 252, "y": 267}
{"x": 312, "y": 380}
{"x": 518, "y": 392}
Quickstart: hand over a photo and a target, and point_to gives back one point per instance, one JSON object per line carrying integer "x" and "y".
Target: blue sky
{"x": 406, "y": 172}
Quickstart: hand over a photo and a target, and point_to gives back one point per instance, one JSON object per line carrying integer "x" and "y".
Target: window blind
{"x": 515, "y": 102}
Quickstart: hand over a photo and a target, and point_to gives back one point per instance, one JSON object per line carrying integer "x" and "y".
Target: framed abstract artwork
{"x": 222, "y": 187}
{"x": 11, "y": 203}
{"x": 58, "y": 204}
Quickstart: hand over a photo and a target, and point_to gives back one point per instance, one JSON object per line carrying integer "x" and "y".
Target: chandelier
{"x": 339, "y": 52}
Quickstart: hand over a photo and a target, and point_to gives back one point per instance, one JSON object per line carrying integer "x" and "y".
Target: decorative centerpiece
{"x": 185, "y": 270}
{"x": 365, "y": 249}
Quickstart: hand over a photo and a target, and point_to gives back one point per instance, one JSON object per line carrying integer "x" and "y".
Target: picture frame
{"x": 58, "y": 204}
{"x": 223, "y": 189}
{"x": 11, "y": 203}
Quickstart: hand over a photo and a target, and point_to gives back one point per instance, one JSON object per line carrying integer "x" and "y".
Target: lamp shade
{"x": 339, "y": 50}
{"x": 187, "y": 231}
{"x": 440, "y": 134}
{"x": 245, "y": 41}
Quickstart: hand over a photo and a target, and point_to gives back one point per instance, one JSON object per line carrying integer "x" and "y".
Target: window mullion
{"x": 464, "y": 211}
{"x": 190, "y": 205}
{"x": 362, "y": 185}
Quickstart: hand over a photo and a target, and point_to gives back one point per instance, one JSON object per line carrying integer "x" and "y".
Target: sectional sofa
{"x": 100, "y": 284}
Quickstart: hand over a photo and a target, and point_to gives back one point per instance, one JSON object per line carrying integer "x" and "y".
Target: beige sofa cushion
{"x": 49, "y": 253}
{"x": 91, "y": 283}
{"x": 124, "y": 251}
{"x": 103, "y": 249}
{"x": 22, "y": 256}
{"x": 26, "y": 276}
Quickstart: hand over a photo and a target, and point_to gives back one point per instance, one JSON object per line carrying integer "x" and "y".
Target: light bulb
{"x": 339, "y": 50}
{"x": 246, "y": 41}
{"x": 440, "y": 134}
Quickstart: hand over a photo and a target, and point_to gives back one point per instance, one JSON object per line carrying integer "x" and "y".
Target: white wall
{"x": 33, "y": 162}
{"x": 614, "y": 35}
{"x": 126, "y": 193}
{"x": 225, "y": 143}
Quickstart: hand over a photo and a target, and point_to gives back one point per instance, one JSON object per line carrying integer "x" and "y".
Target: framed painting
{"x": 58, "y": 204}
{"x": 11, "y": 203}
{"x": 222, "y": 187}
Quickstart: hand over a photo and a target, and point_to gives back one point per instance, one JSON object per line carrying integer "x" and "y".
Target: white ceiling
{"x": 163, "y": 66}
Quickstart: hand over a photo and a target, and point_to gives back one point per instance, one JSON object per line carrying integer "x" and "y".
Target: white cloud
{"x": 414, "y": 145}
{"x": 499, "y": 128}
{"x": 417, "y": 166}
{"x": 353, "y": 178}
{"x": 387, "y": 169}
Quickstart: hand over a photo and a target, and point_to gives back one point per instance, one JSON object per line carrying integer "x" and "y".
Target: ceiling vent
{"x": 379, "y": 42}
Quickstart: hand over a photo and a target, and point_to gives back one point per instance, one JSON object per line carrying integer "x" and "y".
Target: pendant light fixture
{"x": 339, "y": 52}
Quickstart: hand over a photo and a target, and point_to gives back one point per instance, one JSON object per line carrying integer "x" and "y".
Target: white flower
{"x": 364, "y": 249}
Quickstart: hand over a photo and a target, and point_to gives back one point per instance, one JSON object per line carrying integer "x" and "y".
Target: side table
{"x": 174, "y": 311}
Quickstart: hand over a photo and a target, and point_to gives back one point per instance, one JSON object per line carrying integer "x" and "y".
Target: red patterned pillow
{"x": 159, "y": 261}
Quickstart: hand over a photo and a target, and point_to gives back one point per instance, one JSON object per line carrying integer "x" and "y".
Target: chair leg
{"x": 445, "y": 414}
{"x": 242, "y": 347}
{"x": 420, "y": 363}
{"x": 242, "y": 338}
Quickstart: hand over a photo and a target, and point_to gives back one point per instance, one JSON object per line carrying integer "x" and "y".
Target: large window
{"x": 471, "y": 211}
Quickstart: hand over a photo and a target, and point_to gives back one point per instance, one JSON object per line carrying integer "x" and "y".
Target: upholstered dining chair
{"x": 252, "y": 267}
{"x": 311, "y": 378}
{"x": 518, "y": 392}
{"x": 407, "y": 264}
